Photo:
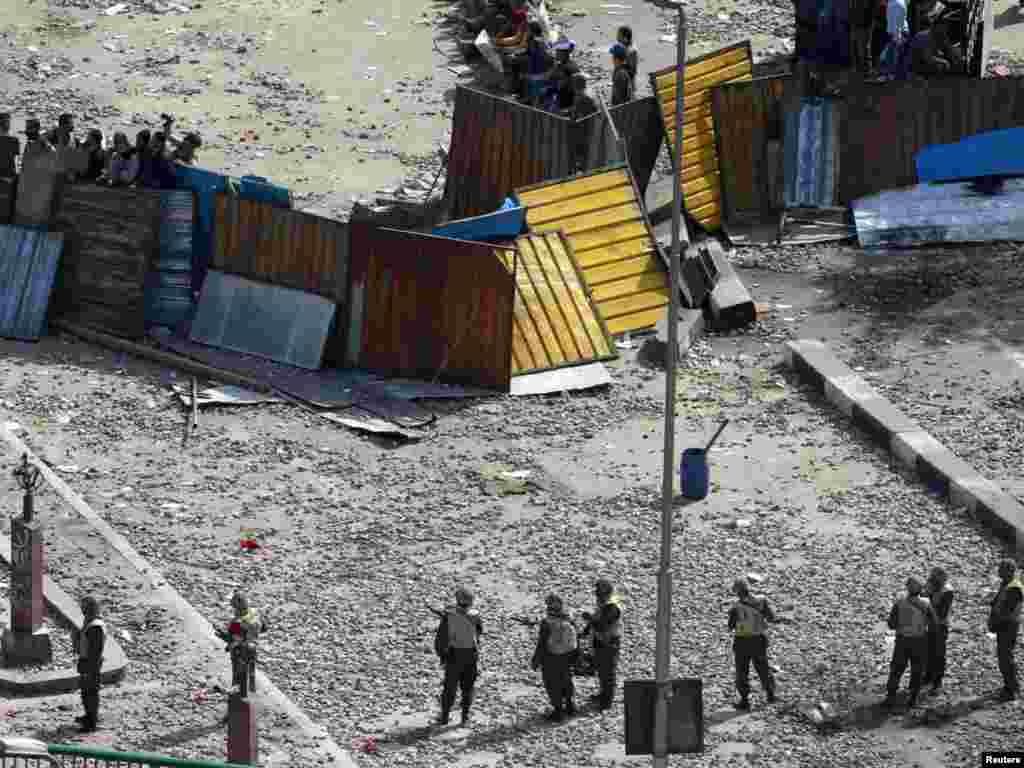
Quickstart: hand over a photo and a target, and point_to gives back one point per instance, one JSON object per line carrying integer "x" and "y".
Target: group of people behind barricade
{"x": 149, "y": 162}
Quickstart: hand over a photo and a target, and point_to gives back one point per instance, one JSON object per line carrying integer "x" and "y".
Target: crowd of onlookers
{"x": 149, "y": 162}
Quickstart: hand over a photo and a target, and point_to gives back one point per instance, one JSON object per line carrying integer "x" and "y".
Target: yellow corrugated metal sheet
{"x": 555, "y": 323}
{"x": 608, "y": 233}
{"x": 701, "y": 188}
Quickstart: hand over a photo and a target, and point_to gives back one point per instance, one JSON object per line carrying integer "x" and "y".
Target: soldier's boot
{"x": 443, "y": 718}
{"x": 465, "y": 715}
{"x": 743, "y": 704}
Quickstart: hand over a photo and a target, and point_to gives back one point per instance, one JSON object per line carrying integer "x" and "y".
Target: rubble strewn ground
{"x": 359, "y": 540}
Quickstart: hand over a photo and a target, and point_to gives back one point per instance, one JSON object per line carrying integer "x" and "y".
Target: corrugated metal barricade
{"x": 263, "y": 242}
{"x": 605, "y": 224}
{"x": 556, "y": 322}
{"x": 811, "y": 154}
{"x": 749, "y": 120}
{"x": 79, "y": 756}
{"x": 636, "y": 125}
{"x": 7, "y": 187}
{"x": 701, "y": 189}
{"x": 169, "y": 284}
{"x": 111, "y": 242}
{"x": 884, "y": 126}
{"x": 498, "y": 146}
{"x": 28, "y": 268}
{"x": 429, "y": 307}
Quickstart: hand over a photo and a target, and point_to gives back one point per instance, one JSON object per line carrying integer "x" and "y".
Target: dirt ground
{"x": 360, "y": 537}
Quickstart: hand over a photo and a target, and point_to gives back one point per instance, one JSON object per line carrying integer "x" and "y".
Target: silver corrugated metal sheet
{"x": 279, "y": 324}
{"x": 966, "y": 212}
{"x": 810, "y": 155}
{"x": 28, "y": 267}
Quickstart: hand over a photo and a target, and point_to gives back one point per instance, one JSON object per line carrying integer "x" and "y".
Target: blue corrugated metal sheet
{"x": 994, "y": 153}
{"x": 206, "y": 185}
{"x": 964, "y": 212}
{"x": 28, "y": 267}
{"x": 169, "y": 285}
{"x": 279, "y": 324}
{"x": 503, "y": 224}
{"x": 262, "y": 191}
{"x": 809, "y": 153}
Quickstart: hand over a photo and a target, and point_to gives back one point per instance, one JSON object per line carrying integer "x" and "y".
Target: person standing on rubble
{"x": 10, "y": 148}
{"x": 556, "y": 650}
{"x": 622, "y": 81}
{"x": 457, "y": 644}
{"x": 605, "y": 629}
{"x": 559, "y": 95}
{"x": 912, "y": 618}
{"x": 583, "y": 106}
{"x": 932, "y": 53}
{"x": 748, "y": 620}
{"x": 88, "y": 643}
{"x": 1004, "y": 621}
{"x": 941, "y": 598}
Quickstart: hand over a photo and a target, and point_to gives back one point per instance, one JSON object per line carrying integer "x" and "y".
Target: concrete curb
{"x": 194, "y": 624}
{"x": 55, "y": 681}
{"x": 941, "y": 470}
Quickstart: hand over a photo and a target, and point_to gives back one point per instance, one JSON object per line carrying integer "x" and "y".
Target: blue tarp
{"x": 996, "y": 153}
{"x": 28, "y": 268}
{"x": 277, "y": 323}
{"x": 206, "y": 185}
{"x": 507, "y": 223}
{"x": 961, "y": 212}
{"x": 260, "y": 190}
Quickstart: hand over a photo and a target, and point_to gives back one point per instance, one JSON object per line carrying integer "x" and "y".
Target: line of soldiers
{"x": 557, "y": 654}
{"x": 921, "y": 626}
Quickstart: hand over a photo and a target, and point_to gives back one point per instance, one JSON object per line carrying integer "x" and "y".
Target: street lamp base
{"x": 23, "y": 649}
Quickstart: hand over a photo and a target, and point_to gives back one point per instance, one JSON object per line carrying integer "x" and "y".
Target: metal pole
{"x": 664, "y": 635}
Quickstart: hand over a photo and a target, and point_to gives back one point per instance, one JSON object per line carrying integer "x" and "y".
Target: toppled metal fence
{"x": 498, "y": 146}
{"x": 636, "y": 128}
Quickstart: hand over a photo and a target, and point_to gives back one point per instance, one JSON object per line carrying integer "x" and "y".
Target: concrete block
{"x": 654, "y": 350}
{"x": 970, "y": 491}
{"x": 1005, "y": 516}
{"x": 846, "y": 391}
{"x": 907, "y": 447}
{"x": 881, "y": 419}
{"x": 730, "y": 303}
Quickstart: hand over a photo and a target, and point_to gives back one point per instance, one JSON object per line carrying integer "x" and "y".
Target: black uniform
{"x": 1004, "y": 620}
{"x": 90, "y": 643}
{"x": 605, "y": 629}
{"x": 912, "y": 619}
{"x": 555, "y": 653}
{"x": 747, "y": 620}
{"x": 935, "y": 669}
{"x": 456, "y": 644}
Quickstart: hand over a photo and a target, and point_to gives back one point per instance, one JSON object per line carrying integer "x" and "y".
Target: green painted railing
{"x": 72, "y": 755}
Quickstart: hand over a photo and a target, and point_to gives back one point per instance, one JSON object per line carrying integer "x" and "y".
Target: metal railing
{"x": 29, "y": 753}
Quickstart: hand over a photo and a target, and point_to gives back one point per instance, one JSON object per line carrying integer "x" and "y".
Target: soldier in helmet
{"x": 748, "y": 620}
{"x": 457, "y": 644}
{"x": 556, "y": 650}
{"x": 605, "y": 628}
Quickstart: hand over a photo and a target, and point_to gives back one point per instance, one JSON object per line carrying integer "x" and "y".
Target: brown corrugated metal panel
{"x": 498, "y": 146}
{"x": 638, "y": 124}
{"x": 281, "y": 246}
{"x": 39, "y": 186}
{"x": 426, "y": 307}
{"x": 605, "y": 225}
{"x": 701, "y": 189}
{"x": 748, "y": 117}
{"x": 285, "y": 247}
{"x": 6, "y": 200}
{"x": 111, "y": 238}
{"x": 885, "y": 125}
{"x": 556, "y": 323}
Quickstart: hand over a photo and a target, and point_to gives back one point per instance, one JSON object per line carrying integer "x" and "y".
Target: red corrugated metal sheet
{"x": 638, "y": 125}
{"x": 883, "y": 126}
{"x": 498, "y": 146}
{"x": 425, "y": 307}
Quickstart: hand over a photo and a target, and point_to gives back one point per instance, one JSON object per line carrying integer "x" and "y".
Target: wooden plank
{"x": 576, "y": 187}
{"x": 589, "y": 222}
{"x": 535, "y": 301}
{"x": 636, "y": 321}
{"x": 629, "y": 286}
{"x": 617, "y": 270}
{"x": 717, "y": 61}
{"x": 636, "y": 302}
{"x": 578, "y": 206}
{"x": 603, "y": 238}
{"x": 563, "y": 315}
{"x": 586, "y": 312}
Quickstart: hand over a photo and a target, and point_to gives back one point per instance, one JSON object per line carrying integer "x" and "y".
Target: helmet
{"x": 740, "y": 587}
{"x": 463, "y": 597}
{"x": 554, "y": 603}
{"x": 603, "y": 587}
{"x": 914, "y": 585}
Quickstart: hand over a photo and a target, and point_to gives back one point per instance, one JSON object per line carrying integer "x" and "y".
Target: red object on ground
{"x": 250, "y": 544}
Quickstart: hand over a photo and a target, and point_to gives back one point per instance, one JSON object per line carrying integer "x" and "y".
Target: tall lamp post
{"x": 664, "y": 631}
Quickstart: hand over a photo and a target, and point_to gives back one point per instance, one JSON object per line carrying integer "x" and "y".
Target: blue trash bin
{"x": 693, "y": 473}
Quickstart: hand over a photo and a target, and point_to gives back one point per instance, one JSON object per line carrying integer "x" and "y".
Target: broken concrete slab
{"x": 730, "y": 304}
{"x": 654, "y": 350}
